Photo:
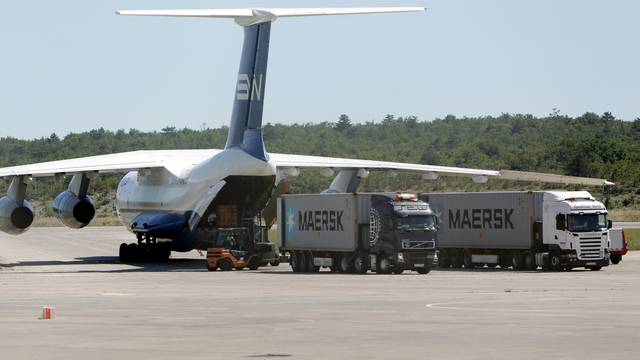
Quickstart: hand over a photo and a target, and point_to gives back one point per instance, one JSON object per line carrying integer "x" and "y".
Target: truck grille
{"x": 416, "y": 257}
{"x": 590, "y": 248}
{"x": 418, "y": 244}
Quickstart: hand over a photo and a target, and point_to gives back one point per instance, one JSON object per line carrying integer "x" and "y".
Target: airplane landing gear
{"x": 146, "y": 250}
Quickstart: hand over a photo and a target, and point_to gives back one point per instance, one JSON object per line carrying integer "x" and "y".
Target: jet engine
{"x": 15, "y": 219}
{"x": 74, "y": 211}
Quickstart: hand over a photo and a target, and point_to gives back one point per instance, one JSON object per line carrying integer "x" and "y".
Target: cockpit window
{"x": 587, "y": 222}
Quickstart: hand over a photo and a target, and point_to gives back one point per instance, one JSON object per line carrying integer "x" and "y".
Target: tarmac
{"x": 178, "y": 310}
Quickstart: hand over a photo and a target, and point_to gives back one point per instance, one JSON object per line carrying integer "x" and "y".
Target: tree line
{"x": 590, "y": 145}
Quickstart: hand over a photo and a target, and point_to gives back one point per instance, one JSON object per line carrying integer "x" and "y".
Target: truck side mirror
{"x": 561, "y": 222}
{"x": 609, "y": 224}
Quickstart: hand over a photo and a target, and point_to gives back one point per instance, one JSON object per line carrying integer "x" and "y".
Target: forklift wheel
{"x": 225, "y": 264}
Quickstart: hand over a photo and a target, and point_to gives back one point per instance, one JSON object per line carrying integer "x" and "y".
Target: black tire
{"x": 595, "y": 268}
{"x": 555, "y": 263}
{"x": 225, "y": 264}
{"x": 443, "y": 259}
{"x": 123, "y": 254}
{"x": 425, "y": 270}
{"x": 616, "y": 258}
{"x": 345, "y": 264}
{"x": 310, "y": 266}
{"x": 293, "y": 262}
{"x": 274, "y": 262}
{"x": 455, "y": 257}
{"x": 517, "y": 260}
{"x": 467, "y": 260}
{"x": 254, "y": 263}
{"x": 360, "y": 264}
{"x": 383, "y": 265}
{"x": 504, "y": 260}
{"x": 530, "y": 261}
{"x": 398, "y": 269}
{"x": 302, "y": 261}
{"x": 491, "y": 265}
{"x": 132, "y": 253}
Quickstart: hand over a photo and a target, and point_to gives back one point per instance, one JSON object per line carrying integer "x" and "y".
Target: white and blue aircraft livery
{"x": 176, "y": 195}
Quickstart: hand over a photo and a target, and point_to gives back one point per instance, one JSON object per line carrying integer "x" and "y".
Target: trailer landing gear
{"x": 146, "y": 250}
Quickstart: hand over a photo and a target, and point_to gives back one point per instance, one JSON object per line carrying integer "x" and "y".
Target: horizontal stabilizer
{"x": 246, "y": 17}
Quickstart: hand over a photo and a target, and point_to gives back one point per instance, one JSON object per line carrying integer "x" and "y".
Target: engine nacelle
{"x": 72, "y": 211}
{"x": 15, "y": 219}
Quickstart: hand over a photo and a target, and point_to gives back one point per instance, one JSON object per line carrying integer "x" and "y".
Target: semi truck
{"x": 357, "y": 232}
{"x": 557, "y": 230}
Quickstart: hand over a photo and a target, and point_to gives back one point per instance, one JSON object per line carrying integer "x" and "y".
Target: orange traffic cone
{"x": 48, "y": 312}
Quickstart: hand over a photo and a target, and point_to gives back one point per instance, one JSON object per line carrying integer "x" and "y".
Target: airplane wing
{"x": 175, "y": 160}
{"x": 284, "y": 161}
{"x": 119, "y": 162}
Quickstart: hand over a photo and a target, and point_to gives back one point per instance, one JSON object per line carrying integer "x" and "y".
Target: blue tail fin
{"x": 245, "y": 129}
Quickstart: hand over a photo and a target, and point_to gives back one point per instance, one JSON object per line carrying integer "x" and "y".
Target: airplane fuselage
{"x": 162, "y": 191}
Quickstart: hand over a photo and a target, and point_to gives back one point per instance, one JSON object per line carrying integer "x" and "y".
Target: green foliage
{"x": 588, "y": 145}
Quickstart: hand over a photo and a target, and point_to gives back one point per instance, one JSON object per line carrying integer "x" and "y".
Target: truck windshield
{"x": 587, "y": 222}
{"x": 421, "y": 222}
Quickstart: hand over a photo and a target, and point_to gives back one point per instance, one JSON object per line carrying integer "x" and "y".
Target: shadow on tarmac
{"x": 170, "y": 266}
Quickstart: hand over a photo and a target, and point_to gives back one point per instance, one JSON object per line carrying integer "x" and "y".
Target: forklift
{"x": 239, "y": 248}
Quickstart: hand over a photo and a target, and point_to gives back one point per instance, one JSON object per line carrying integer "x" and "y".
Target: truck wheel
{"x": 398, "y": 269}
{"x": 615, "y": 259}
{"x": 595, "y": 268}
{"x": 123, "y": 254}
{"x": 517, "y": 260}
{"x": 302, "y": 261}
{"x": 345, "y": 264}
{"x": 225, "y": 264}
{"x": 467, "y": 259}
{"x": 309, "y": 259}
{"x": 554, "y": 261}
{"x": 456, "y": 259}
{"x": 275, "y": 262}
{"x": 384, "y": 264}
{"x": 361, "y": 264}
{"x": 504, "y": 259}
{"x": 530, "y": 261}
{"x": 424, "y": 270}
{"x": 444, "y": 261}
{"x": 293, "y": 262}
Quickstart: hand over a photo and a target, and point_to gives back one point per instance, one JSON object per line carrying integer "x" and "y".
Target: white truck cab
{"x": 576, "y": 229}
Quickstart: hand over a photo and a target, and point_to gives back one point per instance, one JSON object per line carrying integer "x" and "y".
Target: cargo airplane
{"x": 172, "y": 200}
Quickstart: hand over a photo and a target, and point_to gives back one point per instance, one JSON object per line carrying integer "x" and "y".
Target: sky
{"x": 73, "y": 65}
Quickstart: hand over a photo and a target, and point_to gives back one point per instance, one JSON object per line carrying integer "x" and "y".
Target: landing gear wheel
{"x": 517, "y": 260}
{"x": 384, "y": 264}
{"x": 554, "y": 261}
{"x": 595, "y": 268}
{"x": 467, "y": 259}
{"x": 345, "y": 264}
{"x": 424, "y": 270}
{"x": 225, "y": 265}
{"x": 132, "y": 253}
{"x": 360, "y": 264}
{"x": 530, "y": 261}
{"x": 123, "y": 253}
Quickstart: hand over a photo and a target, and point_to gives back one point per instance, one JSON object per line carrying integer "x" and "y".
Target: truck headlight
{"x": 400, "y": 257}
